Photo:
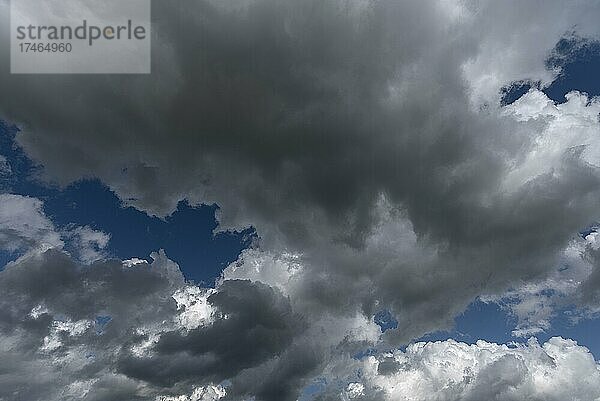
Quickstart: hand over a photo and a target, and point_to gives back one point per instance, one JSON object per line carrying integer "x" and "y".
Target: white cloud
{"x": 52, "y": 341}
{"x": 448, "y": 370}
{"x": 276, "y": 270}
{"x": 89, "y": 244}
{"x": 593, "y": 239}
{"x": 556, "y": 131}
{"x": 78, "y": 390}
{"x": 503, "y": 57}
{"x": 193, "y": 306}
{"x": 355, "y": 390}
{"x": 24, "y": 226}
{"x": 206, "y": 393}
{"x": 134, "y": 262}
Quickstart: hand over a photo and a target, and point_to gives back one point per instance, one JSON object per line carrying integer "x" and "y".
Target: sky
{"x": 310, "y": 200}
{"x": 189, "y": 234}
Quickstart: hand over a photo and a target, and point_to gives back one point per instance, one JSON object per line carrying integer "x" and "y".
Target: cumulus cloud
{"x": 305, "y": 115}
{"x": 208, "y": 393}
{"x": 568, "y": 127}
{"x": 116, "y": 330}
{"x": 564, "y": 131}
{"x": 366, "y": 143}
{"x": 52, "y": 340}
{"x": 24, "y": 227}
{"x": 23, "y": 224}
{"x": 55, "y": 342}
{"x": 56, "y": 346}
{"x": 449, "y": 370}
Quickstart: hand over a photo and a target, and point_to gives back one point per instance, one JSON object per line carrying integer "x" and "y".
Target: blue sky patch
{"x": 579, "y": 62}
{"x": 188, "y": 235}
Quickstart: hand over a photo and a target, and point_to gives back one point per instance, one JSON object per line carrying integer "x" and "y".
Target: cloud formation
{"x": 24, "y": 227}
{"x": 449, "y": 370}
{"x": 122, "y": 330}
{"x": 367, "y": 144}
{"x": 113, "y": 331}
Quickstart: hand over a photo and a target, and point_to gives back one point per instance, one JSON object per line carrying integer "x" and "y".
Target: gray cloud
{"x": 54, "y": 348}
{"x": 304, "y": 114}
{"x": 49, "y": 309}
{"x": 364, "y": 140}
{"x": 49, "y": 323}
{"x": 259, "y": 325}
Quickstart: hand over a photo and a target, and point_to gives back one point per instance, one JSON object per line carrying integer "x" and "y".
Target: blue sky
{"x": 188, "y": 236}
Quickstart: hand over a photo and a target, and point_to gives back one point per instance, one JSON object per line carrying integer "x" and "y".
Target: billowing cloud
{"x": 55, "y": 345}
{"x": 23, "y": 224}
{"x": 448, "y": 370}
{"x": 366, "y": 143}
{"x": 117, "y": 330}
{"x": 112, "y": 331}
{"x": 24, "y": 227}
{"x": 305, "y": 115}
{"x": 206, "y": 393}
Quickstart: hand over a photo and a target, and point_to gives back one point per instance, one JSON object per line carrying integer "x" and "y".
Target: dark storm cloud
{"x": 364, "y": 137}
{"x": 298, "y": 116}
{"x": 57, "y": 282}
{"x": 258, "y": 325}
{"x": 279, "y": 109}
{"x": 49, "y": 309}
{"x": 48, "y": 321}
